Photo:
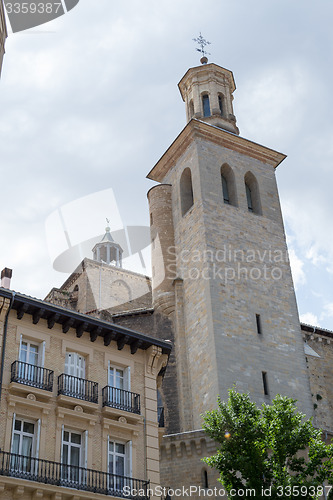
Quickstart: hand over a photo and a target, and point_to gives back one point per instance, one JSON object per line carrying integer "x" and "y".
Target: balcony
{"x": 79, "y": 388}
{"x": 69, "y": 476}
{"x": 32, "y": 375}
{"x": 121, "y": 399}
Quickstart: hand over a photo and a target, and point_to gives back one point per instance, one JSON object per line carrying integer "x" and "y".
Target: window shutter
{"x": 85, "y": 450}
{"x": 37, "y": 438}
{"x": 108, "y": 456}
{"x": 128, "y": 459}
{"x": 13, "y": 427}
{"x": 20, "y": 359}
{"x": 37, "y": 446}
{"x": 41, "y": 354}
{"x": 109, "y": 378}
{"x": 62, "y": 443}
{"x": 81, "y": 367}
{"x": 109, "y": 477}
{"x": 127, "y": 378}
{"x": 67, "y": 363}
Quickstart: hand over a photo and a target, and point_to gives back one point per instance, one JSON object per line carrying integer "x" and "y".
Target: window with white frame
{"x": 119, "y": 463}
{"x": 119, "y": 377}
{"x": 31, "y": 356}
{"x": 75, "y": 365}
{"x": 25, "y": 444}
{"x": 73, "y": 456}
{"x": 119, "y": 385}
{"x": 75, "y": 368}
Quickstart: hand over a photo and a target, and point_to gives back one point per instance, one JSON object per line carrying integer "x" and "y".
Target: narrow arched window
{"x": 191, "y": 108}
{"x": 249, "y": 197}
{"x": 186, "y": 191}
{"x": 252, "y": 193}
{"x": 204, "y": 477}
{"x": 160, "y": 409}
{"x": 221, "y": 104}
{"x": 225, "y": 190}
{"x": 228, "y": 185}
{"x": 206, "y": 105}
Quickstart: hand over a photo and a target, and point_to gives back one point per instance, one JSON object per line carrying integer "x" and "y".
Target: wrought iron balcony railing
{"x": 32, "y": 375}
{"x": 121, "y": 399}
{"x": 79, "y": 388}
{"x": 70, "y": 476}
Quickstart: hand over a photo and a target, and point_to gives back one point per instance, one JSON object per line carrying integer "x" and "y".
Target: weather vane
{"x": 202, "y": 42}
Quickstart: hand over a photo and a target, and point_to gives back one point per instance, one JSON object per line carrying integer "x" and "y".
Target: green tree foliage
{"x": 272, "y": 450}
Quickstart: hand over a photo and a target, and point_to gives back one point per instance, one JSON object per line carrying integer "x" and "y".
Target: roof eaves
{"x": 53, "y": 314}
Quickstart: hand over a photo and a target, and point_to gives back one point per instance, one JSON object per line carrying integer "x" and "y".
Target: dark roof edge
{"x": 134, "y": 312}
{"x": 316, "y": 329}
{"x": 57, "y": 314}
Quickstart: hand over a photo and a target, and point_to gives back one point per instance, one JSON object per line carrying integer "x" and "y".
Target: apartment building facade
{"x": 78, "y": 404}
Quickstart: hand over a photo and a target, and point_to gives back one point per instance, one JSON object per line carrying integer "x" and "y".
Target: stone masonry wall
{"x": 103, "y": 287}
{"x": 160, "y": 327}
{"x": 321, "y": 375}
{"x": 182, "y": 467}
{"x": 223, "y": 345}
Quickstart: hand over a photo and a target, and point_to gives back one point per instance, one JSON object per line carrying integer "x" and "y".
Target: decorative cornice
{"x": 199, "y": 129}
{"x": 207, "y": 69}
{"x": 81, "y": 323}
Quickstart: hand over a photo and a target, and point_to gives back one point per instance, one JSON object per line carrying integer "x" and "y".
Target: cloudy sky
{"x": 89, "y": 102}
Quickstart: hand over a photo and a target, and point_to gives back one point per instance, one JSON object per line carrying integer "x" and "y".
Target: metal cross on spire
{"x": 202, "y": 42}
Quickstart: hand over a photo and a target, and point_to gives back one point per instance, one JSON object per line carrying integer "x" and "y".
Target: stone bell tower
{"x": 222, "y": 272}
{"x": 207, "y": 91}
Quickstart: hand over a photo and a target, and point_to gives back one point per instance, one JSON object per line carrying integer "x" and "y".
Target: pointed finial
{"x": 107, "y": 229}
{"x": 202, "y": 42}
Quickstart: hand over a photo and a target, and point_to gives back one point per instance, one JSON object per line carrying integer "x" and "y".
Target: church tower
{"x": 221, "y": 268}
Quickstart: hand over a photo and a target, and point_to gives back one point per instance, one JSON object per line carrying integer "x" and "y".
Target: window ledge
{"x": 188, "y": 211}
{"x": 131, "y": 418}
{"x": 224, "y": 204}
{"x": 14, "y": 400}
{"x": 109, "y": 423}
{"x": 77, "y": 413}
{"x": 76, "y": 402}
{"x": 28, "y": 389}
